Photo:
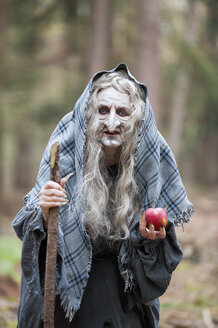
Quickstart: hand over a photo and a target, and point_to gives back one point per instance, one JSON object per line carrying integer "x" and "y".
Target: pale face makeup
{"x": 113, "y": 112}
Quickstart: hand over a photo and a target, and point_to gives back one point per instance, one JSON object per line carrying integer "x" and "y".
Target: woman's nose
{"x": 112, "y": 122}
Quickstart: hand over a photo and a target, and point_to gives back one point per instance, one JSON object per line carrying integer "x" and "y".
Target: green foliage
{"x": 49, "y": 113}
{"x": 200, "y": 62}
{"x": 10, "y": 253}
{"x": 203, "y": 302}
{"x": 212, "y": 22}
{"x": 204, "y": 69}
{"x": 8, "y": 324}
{"x": 170, "y": 305}
{"x": 22, "y": 19}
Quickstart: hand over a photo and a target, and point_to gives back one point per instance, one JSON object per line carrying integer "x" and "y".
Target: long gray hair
{"x": 111, "y": 204}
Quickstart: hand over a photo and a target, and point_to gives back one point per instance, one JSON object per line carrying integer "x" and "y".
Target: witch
{"x": 111, "y": 270}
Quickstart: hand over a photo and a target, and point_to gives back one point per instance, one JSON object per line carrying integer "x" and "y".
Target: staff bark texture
{"x": 52, "y": 240}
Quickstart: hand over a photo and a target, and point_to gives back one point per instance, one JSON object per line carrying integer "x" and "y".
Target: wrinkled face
{"x": 113, "y": 113}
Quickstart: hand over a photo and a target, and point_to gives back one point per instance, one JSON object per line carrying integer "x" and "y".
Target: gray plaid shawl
{"x": 156, "y": 175}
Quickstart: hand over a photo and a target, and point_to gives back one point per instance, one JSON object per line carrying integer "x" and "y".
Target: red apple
{"x": 157, "y": 217}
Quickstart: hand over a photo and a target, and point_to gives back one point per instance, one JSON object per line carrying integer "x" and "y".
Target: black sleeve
{"x": 153, "y": 262}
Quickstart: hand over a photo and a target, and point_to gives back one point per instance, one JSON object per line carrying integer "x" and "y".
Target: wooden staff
{"x": 52, "y": 241}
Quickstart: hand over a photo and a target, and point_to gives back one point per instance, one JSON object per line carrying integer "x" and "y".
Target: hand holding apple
{"x": 157, "y": 217}
{"x": 152, "y": 224}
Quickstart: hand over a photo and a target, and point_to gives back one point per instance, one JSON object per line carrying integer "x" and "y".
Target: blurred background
{"x": 49, "y": 50}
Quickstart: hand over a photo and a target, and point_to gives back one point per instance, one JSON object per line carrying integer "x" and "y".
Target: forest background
{"x": 49, "y": 50}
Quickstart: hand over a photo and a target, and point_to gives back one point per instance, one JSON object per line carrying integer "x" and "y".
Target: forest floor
{"x": 191, "y": 300}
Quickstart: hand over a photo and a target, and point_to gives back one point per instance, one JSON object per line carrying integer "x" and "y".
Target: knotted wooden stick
{"x": 52, "y": 241}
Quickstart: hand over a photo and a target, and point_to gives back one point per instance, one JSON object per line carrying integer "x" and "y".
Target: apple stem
{"x": 152, "y": 205}
{"x": 165, "y": 208}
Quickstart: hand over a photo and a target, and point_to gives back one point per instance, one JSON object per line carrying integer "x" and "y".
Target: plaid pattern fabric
{"x": 156, "y": 175}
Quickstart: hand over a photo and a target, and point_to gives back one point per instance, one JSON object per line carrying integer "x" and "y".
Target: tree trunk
{"x": 23, "y": 162}
{"x": 147, "y": 51}
{"x": 3, "y": 26}
{"x": 100, "y": 36}
{"x": 182, "y": 84}
{"x": 1, "y": 152}
{"x": 205, "y": 161}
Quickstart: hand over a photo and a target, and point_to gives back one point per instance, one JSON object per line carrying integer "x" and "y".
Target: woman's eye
{"x": 103, "y": 111}
{"x": 122, "y": 112}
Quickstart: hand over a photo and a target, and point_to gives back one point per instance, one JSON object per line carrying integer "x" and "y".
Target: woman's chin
{"x": 111, "y": 143}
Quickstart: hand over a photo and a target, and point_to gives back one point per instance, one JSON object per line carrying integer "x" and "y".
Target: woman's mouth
{"x": 114, "y": 133}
